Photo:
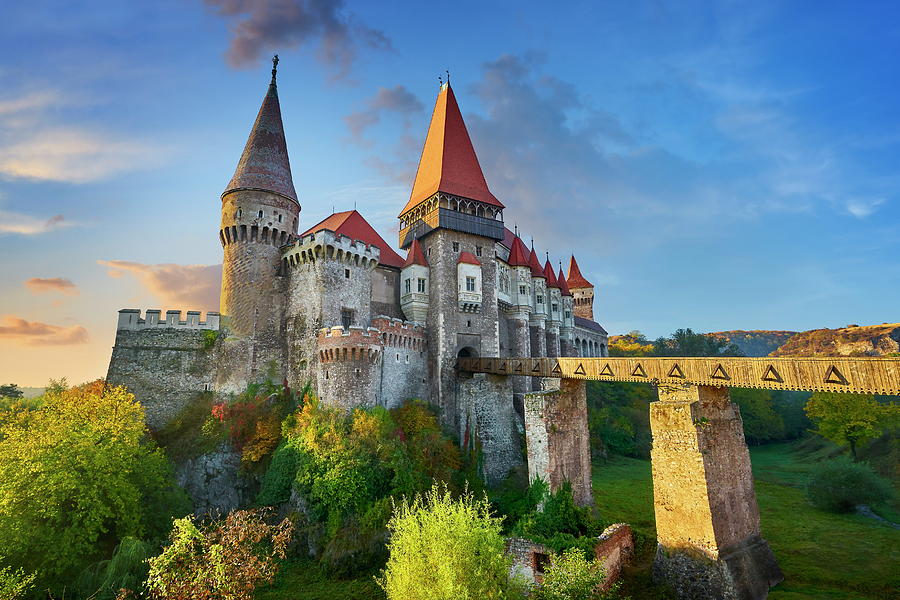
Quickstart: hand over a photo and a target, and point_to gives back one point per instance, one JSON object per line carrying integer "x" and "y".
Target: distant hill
{"x": 853, "y": 340}
{"x": 755, "y": 342}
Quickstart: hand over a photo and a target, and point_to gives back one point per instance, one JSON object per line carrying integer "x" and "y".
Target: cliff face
{"x": 756, "y": 342}
{"x": 868, "y": 340}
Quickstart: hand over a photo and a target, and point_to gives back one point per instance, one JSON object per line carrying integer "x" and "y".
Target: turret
{"x": 414, "y": 281}
{"x": 582, "y": 291}
{"x": 260, "y": 212}
{"x": 567, "y": 325}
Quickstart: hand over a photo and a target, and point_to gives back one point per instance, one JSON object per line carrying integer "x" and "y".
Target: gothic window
{"x": 346, "y": 317}
{"x": 421, "y": 285}
{"x": 470, "y": 284}
{"x": 456, "y": 246}
{"x": 409, "y": 285}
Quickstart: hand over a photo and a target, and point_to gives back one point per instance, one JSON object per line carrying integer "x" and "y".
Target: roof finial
{"x": 440, "y": 82}
{"x": 532, "y": 243}
{"x": 274, "y": 67}
{"x": 548, "y": 256}
{"x": 517, "y": 229}
{"x": 448, "y": 76}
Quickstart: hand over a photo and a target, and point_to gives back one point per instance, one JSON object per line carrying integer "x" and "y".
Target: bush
{"x": 570, "y": 576}
{"x": 222, "y": 560}
{"x": 839, "y": 485}
{"x": 127, "y": 569}
{"x": 446, "y": 549}
{"x": 558, "y": 523}
{"x": 14, "y": 584}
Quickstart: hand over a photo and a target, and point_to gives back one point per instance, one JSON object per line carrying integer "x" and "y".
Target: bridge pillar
{"x": 707, "y": 518}
{"x": 556, "y": 435}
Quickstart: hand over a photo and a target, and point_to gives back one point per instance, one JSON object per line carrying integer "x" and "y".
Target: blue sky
{"x": 711, "y": 165}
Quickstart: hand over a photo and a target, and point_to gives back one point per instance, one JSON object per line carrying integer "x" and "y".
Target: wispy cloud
{"x": 35, "y": 333}
{"x": 36, "y": 144}
{"x": 39, "y": 285}
{"x": 397, "y": 100}
{"x": 175, "y": 286}
{"x": 262, "y": 25}
{"x": 13, "y": 222}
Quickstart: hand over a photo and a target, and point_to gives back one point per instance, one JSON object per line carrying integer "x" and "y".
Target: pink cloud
{"x": 189, "y": 287}
{"x": 39, "y": 285}
{"x": 35, "y": 333}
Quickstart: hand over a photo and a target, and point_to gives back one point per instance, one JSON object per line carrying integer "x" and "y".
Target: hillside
{"x": 853, "y": 340}
{"x": 755, "y": 342}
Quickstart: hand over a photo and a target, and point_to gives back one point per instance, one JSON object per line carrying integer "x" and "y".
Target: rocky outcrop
{"x": 216, "y": 483}
{"x": 853, "y": 340}
{"x": 755, "y": 342}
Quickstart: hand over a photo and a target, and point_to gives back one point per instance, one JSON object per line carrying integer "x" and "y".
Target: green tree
{"x": 10, "y": 390}
{"x": 221, "y": 560}
{"x": 570, "y": 576}
{"x": 55, "y": 387}
{"x": 684, "y": 342}
{"x": 14, "y": 584}
{"x": 851, "y": 419}
{"x": 446, "y": 549}
{"x": 761, "y": 422}
{"x": 75, "y": 476}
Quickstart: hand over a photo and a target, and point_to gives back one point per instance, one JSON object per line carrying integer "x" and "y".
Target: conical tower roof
{"x": 415, "y": 256}
{"x": 518, "y": 254}
{"x": 561, "y": 280}
{"x": 576, "y": 279}
{"x": 448, "y": 162}
{"x": 535, "y": 264}
{"x": 264, "y": 165}
{"x": 549, "y": 275}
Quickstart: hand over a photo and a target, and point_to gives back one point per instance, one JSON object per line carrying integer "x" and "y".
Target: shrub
{"x": 570, "y": 576}
{"x": 222, "y": 560}
{"x": 446, "y": 549}
{"x": 839, "y": 485}
{"x": 14, "y": 584}
{"x": 556, "y": 522}
{"x": 126, "y": 569}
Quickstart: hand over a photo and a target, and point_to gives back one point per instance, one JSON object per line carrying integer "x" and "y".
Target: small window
{"x": 259, "y": 214}
{"x": 398, "y": 358}
{"x": 555, "y": 307}
{"x": 346, "y": 273}
{"x": 468, "y": 323}
{"x": 470, "y": 284}
{"x": 407, "y": 359}
{"x": 421, "y": 285}
{"x": 240, "y": 212}
{"x": 522, "y": 290}
{"x": 429, "y": 252}
{"x": 346, "y": 317}
{"x": 477, "y": 250}
{"x": 408, "y": 285}
{"x": 456, "y": 246}
{"x": 540, "y": 299}
{"x": 279, "y": 218}
{"x": 568, "y": 315}
{"x": 326, "y": 374}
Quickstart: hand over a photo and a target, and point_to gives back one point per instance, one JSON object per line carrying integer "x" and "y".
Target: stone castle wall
{"x": 404, "y": 361}
{"x": 349, "y": 373}
{"x": 164, "y": 363}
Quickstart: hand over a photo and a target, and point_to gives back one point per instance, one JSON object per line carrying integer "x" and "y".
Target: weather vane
{"x": 274, "y": 67}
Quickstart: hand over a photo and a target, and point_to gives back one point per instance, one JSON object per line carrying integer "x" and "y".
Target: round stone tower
{"x": 260, "y": 213}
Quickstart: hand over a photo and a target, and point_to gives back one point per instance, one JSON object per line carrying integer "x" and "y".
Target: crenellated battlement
{"x": 400, "y": 334}
{"x": 327, "y": 245}
{"x": 353, "y": 343}
{"x": 130, "y": 318}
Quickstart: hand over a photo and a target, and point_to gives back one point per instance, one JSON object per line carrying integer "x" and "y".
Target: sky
{"x": 712, "y": 165}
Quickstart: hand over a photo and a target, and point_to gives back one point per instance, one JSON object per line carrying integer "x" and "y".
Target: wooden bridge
{"x": 707, "y": 518}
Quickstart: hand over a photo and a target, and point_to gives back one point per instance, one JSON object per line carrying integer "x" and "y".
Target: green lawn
{"x": 306, "y": 580}
{"x": 824, "y": 556}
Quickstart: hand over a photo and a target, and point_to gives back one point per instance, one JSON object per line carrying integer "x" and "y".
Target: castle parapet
{"x": 327, "y": 245}
{"x": 400, "y": 334}
{"x": 130, "y": 318}
{"x": 352, "y": 343}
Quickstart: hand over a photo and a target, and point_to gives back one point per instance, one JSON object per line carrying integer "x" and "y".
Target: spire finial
{"x": 440, "y": 82}
{"x": 448, "y": 76}
{"x": 274, "y": 67}
{"x": 548, "y": 255}
{"x": 532, "y": 243}
{"x": 517, "y": 229}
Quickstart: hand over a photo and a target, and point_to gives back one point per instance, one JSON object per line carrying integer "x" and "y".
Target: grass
{"x": 306, "y": 580}
{"x": 824, "y": 556}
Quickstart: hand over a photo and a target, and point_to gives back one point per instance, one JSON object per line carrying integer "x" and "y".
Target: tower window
{"x": 555, "y": 307}
{"x": 421, "y": 285}
{"x": 478, "y": 250}
{"x": 409, "y": 285}
{"x": 346, "y": 317}
{"x": 456, "y": 246}
{"x": 522, "y": 290}
{"x": 346, "y": 273}
{"x": 540, "y": 299}
{"x": 568, "y": 315}
{"x": 468, "y": 323}
{"x": 239, "y": 213}
{"x": 279, "y": 218}
{"x": 470, "y": 284}
{"x": 259, "y": 214}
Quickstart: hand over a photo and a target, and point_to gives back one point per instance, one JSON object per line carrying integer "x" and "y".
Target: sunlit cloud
{"x": 39, "y": 285}
{"x": 34, "y": 333}
{"x": 187, "y": 287}
{"x": 13, "y": 222}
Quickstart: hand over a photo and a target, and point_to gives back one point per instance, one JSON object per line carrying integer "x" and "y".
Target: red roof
{"x": 448, "y": 162}
{"x": 550, "y": 275}
{"x": 563, "y": 286}
{"x": 468, "y": 258}
{"x": 415, "y": 256}
{"x": 264, "y": 164}
{"x": 353, "y": 225}
{"x": 535, "y": 265}
{"x": 518, "y": 254}
{"x": 508, "y": 237}
{"x": 576, "y": 279}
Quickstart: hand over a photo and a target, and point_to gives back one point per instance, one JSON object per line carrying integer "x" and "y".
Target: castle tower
{"x": 537, "y": 322}
{"x": 260, "y": 212}
{"x": 450, "y": 212}
{"x": 414, "y": 284}
{"x": 582, "y": 291}
{"x": 567, "y": 325}
{"x": 554, "y": 310}
{"x": 520, "y": 312}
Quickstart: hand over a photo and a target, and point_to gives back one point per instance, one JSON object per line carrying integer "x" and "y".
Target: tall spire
{"x": 264, "y": 164}
{"x": 448, "y": 162}
{"x": 575, "y": 279}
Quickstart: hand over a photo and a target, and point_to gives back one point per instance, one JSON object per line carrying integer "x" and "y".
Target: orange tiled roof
{"x": 549, "y": 275}
{"x": 563, "y": 286}
{"x": 353, "y": 225}
{"x": 576, "y": 279}
{"x": 415, "y": 256}
{"x": 468, "y": 258}
{"x": 534, "y": 263}
{"x": 448, "y": 162}
{"x": 518, "y": 254}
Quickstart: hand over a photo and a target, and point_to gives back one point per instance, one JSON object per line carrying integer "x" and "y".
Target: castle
{"x": 335, "y": 305}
